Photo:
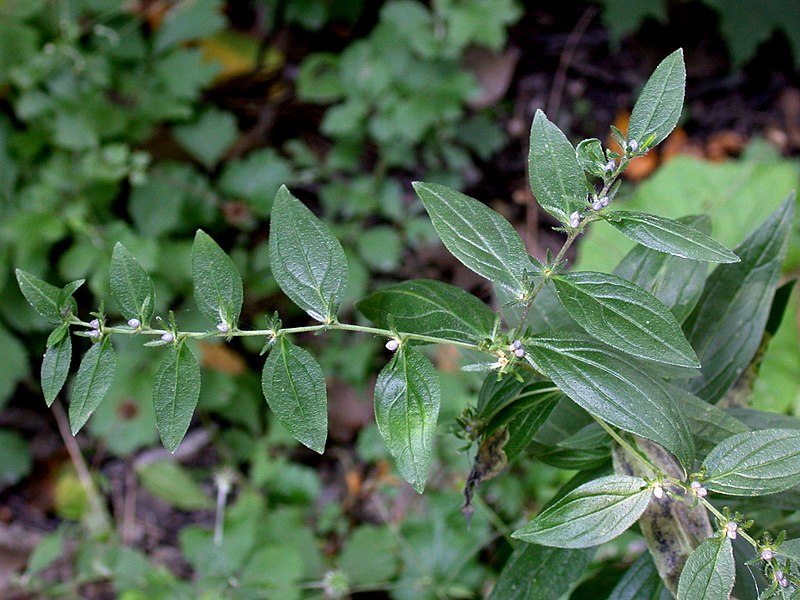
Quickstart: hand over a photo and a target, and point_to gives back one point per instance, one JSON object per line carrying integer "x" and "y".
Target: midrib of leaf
{"x": 409, "y": 401}
{"x": 551, "y": 151}
{"x": 295, "y": 395}
{"x": 87, "y": 391}
{"x": 174, "y": 390}
{"x": 660, "y": 96}
{"x": 312, "y": 274}
{"x": 745, "y": 469}
{"x": 42, "y": 295}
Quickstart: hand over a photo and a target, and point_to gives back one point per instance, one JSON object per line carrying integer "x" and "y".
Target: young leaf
{"x": 217, "y": 283}
{"x": 477, "y": 236}
{"x": 614, "y": 389}
{"x": 709, "y": 573}
{"x": 131, "y": 286}
{"x": 624, "y": 316}
{"x": 66, "y": 303}
{"x": 658, "y": 108}
{"x": 556, "y": 178}
{"x": 669, "y": 236}
{"x": 55, "y": 367}
{"x": 755, "y": 463}
{"x": 592, "y": 514}
{"x": 407, "y": 400}
{"x": 92, "y": 381}
{"x": 42, "y": 296}
{"x": 727, "y": 324}
{"x": 307, "y": 261}
{"x": 176, "y": 389}
{"x": 294, "y": 386}
{"x": 591, "y": 157}
{"x": 429, "y": 307}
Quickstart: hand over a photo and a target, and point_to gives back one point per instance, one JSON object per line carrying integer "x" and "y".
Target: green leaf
{"x": 15, "y": 364}
{"x": 671, "y": 237}
{"x": 790, "y": 549}
{"x": 624, "y": 316}
{"x": 407, "y": 399}
{"x": 55, "y": 367}
{"x": 170, "y": 482}
{"x": 536, "y": 572}
{"x": 294, "y": 386}
{"x": 709, "y": 573}
{"x": 66, "y": 303}
{"x": 614, "y": 389}
{"x": 131, "y": 286}
{"x": 591, "y": 157}
{"x": 176, "y": 389}
{"x": 188, "y": 21}
{"x": 477, "y": 236}
{"x": 755, "y": 463}
{"x": 641, "y": 581}
{"x": 209, "y": 137}
{"x": 17, "y": 461}
{"x": 592, "y": 514}
{"x": 727, "y": 324}
{"x": 429, "y": 307}
{"x": 307, "y": 261}
{"x": 710, "y": 425}
{"x": 556, "y": 178}
{"x": 658, "y": 108}
{"x": 217, "y": 283}
{"x": 92, "y": 381}
{"x": 42, "y": 296}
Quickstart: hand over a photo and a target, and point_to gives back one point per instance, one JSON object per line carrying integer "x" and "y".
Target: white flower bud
{"x": 516, "y": 345}
{"x": 575, "y": 219}
{"x": 94, "y": 334}
{"x": 731, "y": 528}
{"x": 604, "y": 201}
{"x": 610, "y": 166}
{"x": 767, "y": 554}
{"x": 167, "y": 337}
{"x": 134, "y": 323}
{"x": 223, "y": 328}
{"x": 392, "y": 345}
{"x": 95, "y": 324}
{"x": 658, "y": 491}
{"x": 633, "y": 145}
{"x": 519, "y": 352}
{"x": 597, "y": 205}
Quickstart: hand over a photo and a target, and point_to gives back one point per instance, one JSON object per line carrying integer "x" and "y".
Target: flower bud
{"x": 392, "y": 345}
{"x": 767, "y": 554}
{"x": 610, "y": 166}
{"x": 731, "y": 528}
{"x": 94, "y": 334}
{"x": 95, "y": 324}
{"x": 134, "y": 323}
{"x": 633, "y": 145}
{"x": 575, "y": 219}
{"x": 519, "y": 352}
{"x": 517, "y": 345}
{"x": 597, "y": 205}
{"x": 604, "y": 201}
{"x": 167, "y": 337}
{"x": 223, "y": 328}
{"x": 658, "y": 491}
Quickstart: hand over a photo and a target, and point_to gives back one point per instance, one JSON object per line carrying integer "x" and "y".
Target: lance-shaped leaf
{"x": 658, "y": 108}
{"x": 477, "y": 236}
{"x": 294, "y": 386}
{"x": 429, "y": 307}
{"x": 710, "y": 425}
{"x": 641, "y": 582}
{"x": 176, "y": 389}
{"x": 727, "y": 324}
{"x": 624, "y": 316}
{"x": 217, "y": 283}
{"x": 592, "y": 514}
{"x": 55, "y": 367}
{"x": 755, "y": 463}
{"x": 42, "y": 296}
{"x": 307, "y": 261}
{"x": 407, "y": 399}
{"x": 709, "y": 573}
{"x": 611, "y": 387}
{"x": 92, "y": 381}
{"x": 556, "y": 178}
{"x": 669, "y": 236}
{"x": 131, "y": 286}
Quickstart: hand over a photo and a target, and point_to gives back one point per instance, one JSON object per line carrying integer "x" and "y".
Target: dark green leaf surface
{"x": 671, "y": 237}
{"x": 658, "y": 108}
{"x": 612, "y": 388}
{"x": 641, "y": 582}
{"x": 407, "y": 399}
{"x": 790, "y": 549}
{"x": 294, "y": 386}
{"x": 710, "y": 425}
{"x": 131, "y": 286}
{"x": 42, "y": 296}
{"x": 755, "y": 463}
{"x": 536, "y": 572}
{"x": 176, "y": 389}
{"x": 66, "y": 303}
{"x": 726, "y": 326}
{"x": 430, "y": 307}
{"x": 477, "y": 236}
{"x": 217, "y": 283}
{"x": 92, "y": 381}
{"x": 307, "y": 261}
{"x": 709, "y": 573}
{"x": 624, "y": 316}
{"x": 55, "y": 368}
{"x": 556, "y": 178}
{"x": 589, "y": 515}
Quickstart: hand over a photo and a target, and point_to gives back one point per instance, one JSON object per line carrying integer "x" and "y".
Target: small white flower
{"x": 134, "y": 323}
{"x": 575, "y": 219}
{"x": 167, "y": 337}
{"x": 223, "y": 327}
{"x": 95, "y": 324}
{"x": 633, "y": 145}
{"x": 604, "y": 201}
{"x": 610, "y": 166}
{"x": 392, "y": 345}
{"x": 731, "y": 528}
{"x": 516, "y": 345}
{"x": 597, "y": 205}
{"x": 767, "y": 554}
{"x": 519, "y": 352}
{"x": 658, "y": 491}
{"x": 94, "y": 334}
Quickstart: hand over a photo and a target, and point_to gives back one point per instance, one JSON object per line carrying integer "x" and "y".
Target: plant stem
{"x": 632, "y": 450}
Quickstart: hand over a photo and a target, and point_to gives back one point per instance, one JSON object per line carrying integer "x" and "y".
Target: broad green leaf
{"x": 790, "y": 549}
{"x": 536, "y": 572}
{"x": 42, "y": 296}
{"x": 658, "y": 108}
{"x": 429, "y": 307}
{"x": 676, "y": 282}
{"x": 209, "y": 136}
{"x": 478, "y": 236}
{"x": 294, "y": 386}
{"x": 709, "y": 573}
{"x": 131, "y": 286}
{"x": 589, "y": 515}
{"x": 92, "y": 381}
{"x": 727, "y": 324}
{"x": 170, "y": 482}
{"x": 670, "y": 237}
{"x": 755, "y": 463}
{"x": 710, "y": 425}
{"x": 611, "y": 387}
{"x": 407, "y": 399}
{"x": 307, "y": 261}
{"x": 556, "y": 178}
{"x": 641, "y": 582}
{"x": 55, "y": 367}
{"x": 217, "y": 283}
{"x": 624, "y": 316}
{"x": 176, "y": 389}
